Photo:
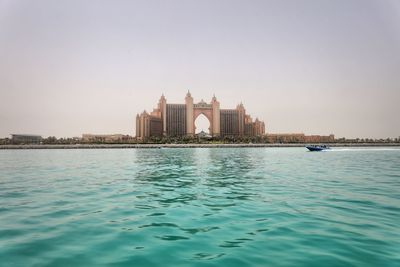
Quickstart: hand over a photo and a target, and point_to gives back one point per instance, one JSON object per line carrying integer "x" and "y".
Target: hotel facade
{"x": 178, "y": 120}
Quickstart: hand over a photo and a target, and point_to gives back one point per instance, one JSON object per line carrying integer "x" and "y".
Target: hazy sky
{"x": 318, "y": 67}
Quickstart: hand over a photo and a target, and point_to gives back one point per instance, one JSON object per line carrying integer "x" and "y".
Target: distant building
{"x": 203, "y": 135}
{"x": 319, "y": 138}
{"x": 178, "y": 120}
{"x": 299, "y": 138}
{"x": 104, "y": 137}
{"x": 25, "y": 139}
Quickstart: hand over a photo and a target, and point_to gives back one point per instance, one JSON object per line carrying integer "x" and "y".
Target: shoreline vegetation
{"x": 192, "y": 145}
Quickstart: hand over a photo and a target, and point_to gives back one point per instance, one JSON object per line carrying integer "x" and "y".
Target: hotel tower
{"x": 177, "y": 120}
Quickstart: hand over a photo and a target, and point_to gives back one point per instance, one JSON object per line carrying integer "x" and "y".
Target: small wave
{"x": 207, "y": 256}
{"x": 172, "y": 237}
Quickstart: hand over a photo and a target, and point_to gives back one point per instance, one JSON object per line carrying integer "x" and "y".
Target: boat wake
{"x": 355, "y": 149}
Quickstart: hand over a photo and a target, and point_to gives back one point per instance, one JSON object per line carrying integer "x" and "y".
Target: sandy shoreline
{"x": 140, "y": 146}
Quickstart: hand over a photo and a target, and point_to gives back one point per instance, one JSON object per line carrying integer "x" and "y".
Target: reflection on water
{"x": 189, "y": 207}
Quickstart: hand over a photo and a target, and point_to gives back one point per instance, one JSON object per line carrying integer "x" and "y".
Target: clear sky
{"x": 313, "y": 66}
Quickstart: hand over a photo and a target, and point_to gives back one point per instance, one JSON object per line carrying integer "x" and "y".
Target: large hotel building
{"x": 177, "y": 120}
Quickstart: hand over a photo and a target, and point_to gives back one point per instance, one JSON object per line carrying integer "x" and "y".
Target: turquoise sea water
{"x": 200, "y": 207}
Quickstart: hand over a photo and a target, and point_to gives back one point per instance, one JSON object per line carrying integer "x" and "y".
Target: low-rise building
{"x": 299, "y": 138}
{"x": 25, "y": 139}
{"x": 104, "y": 138}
